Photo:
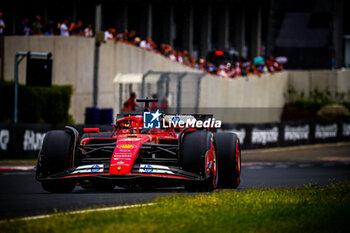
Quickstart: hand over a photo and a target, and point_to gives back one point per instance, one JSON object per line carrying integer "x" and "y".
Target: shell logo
{"x": 126, "y": 146}
{"x": 130, "y": 139}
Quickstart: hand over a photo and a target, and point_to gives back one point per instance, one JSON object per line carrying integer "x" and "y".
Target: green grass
{"x": 310, "y": 208}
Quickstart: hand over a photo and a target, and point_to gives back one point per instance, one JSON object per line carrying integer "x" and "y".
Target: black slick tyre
{"x": 229, "y": 159}
{"x": 198, "y": 156}
{"x": 56, "y": 156}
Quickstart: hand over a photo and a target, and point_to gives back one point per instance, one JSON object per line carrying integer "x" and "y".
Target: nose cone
{"x": 126, "y": 152}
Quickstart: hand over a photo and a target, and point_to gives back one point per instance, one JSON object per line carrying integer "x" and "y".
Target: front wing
{"x": 139, "y": 172}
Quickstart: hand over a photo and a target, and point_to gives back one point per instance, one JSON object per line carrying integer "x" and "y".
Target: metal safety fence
{"x": 174, "y": 90}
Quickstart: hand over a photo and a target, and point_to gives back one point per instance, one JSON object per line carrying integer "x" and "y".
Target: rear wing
{"x": 119, "y": 116}
{"x": 182, "y": 121}
{"x": 186, "y": 117}
{"x": 173, "y": 117}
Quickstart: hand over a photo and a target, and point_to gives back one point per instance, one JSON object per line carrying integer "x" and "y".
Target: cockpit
{"x": 134, "y": 125}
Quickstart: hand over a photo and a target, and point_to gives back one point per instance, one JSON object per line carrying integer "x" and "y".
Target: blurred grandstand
{"x": 193, "y": 54}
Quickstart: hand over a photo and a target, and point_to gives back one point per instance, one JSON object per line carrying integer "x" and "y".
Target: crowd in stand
{"x": 39, "y": 27}
{"x": 242, "y": 67}
{"x": 2, "y": 25}
{"x": 239, "y": 68}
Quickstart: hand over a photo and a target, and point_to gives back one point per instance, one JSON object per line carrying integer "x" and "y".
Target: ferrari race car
{"x": 133, "y": 156}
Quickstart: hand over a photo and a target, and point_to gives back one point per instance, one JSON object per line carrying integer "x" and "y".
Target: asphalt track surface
{"x": 21, "y": 195}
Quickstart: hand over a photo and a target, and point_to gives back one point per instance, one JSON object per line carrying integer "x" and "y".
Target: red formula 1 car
{"x": 132, "y": 156}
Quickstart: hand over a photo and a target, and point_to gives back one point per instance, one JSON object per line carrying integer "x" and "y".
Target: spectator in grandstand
{"x": 221, "y": 71}
{"x": 200, "y": 64}
{"x": 132, "y": 36}
{"x": 229, "y": 70}
{"x": 270, "y": 61}
{"x": 251, "y": 70}
{"x": 185, "y": 58}
{"x": 189, "y": 59}
{"x": 279, "y": 61}
{"x": 79, "y": 31}
{"x": 153, "y": 45}
{"x": 243, "y": 69}
{"x": 50, "y": 28}
{"x": 24, "y": 28}
{"x": 72, "y": 28}
{"x": 122, "y": 36}
{"x": 206, "y": 66}
{"x": 192, "y": 62}
{"x": 37, "y": 26}
{"x": 237, "y": 70}
{"x": 166, "y": 49}
{"x": 279, "y": 67}
{"x": 88, "y": 31}
{"x": 212, "y": 68}
{"x": 145, "y": 44}
{"x": 260, "y": 68}
{"x": 64, "y": 30}
{"x": 109, "y": 34}
{"x": 172, "y": 56}
{"x": 2, "y": 24}
{"x": 125, "y": 35}
{"x": 119, "y": 37}
{"x": 136, "y": 41}
{"x": 179, "y": 57}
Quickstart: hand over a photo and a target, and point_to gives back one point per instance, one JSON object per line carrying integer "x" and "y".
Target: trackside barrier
{"x": 25, "y": 140}
{"x": 293, "y": 133}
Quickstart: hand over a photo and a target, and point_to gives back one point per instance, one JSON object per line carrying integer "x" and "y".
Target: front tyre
{"x": 199, "y": 156}
{"x": 229, "y": 159}
{"x": 56, "y": 156}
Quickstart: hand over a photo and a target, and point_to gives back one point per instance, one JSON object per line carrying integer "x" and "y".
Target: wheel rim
{"x": 215, "y": 170}
{"x": 212, "y": 172}
{"x": 239, "y": 163}
{"x": 238, "y": 159}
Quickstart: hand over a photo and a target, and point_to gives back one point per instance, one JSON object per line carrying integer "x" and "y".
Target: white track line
{"x": 16, "y": 168}
{"x": 85, "y": 211}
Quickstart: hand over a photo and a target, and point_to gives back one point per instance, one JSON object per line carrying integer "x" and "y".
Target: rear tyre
{"x": 56, "y": 156}
{"x": 199, "y": 156}
{"x": 229, "y": 159}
